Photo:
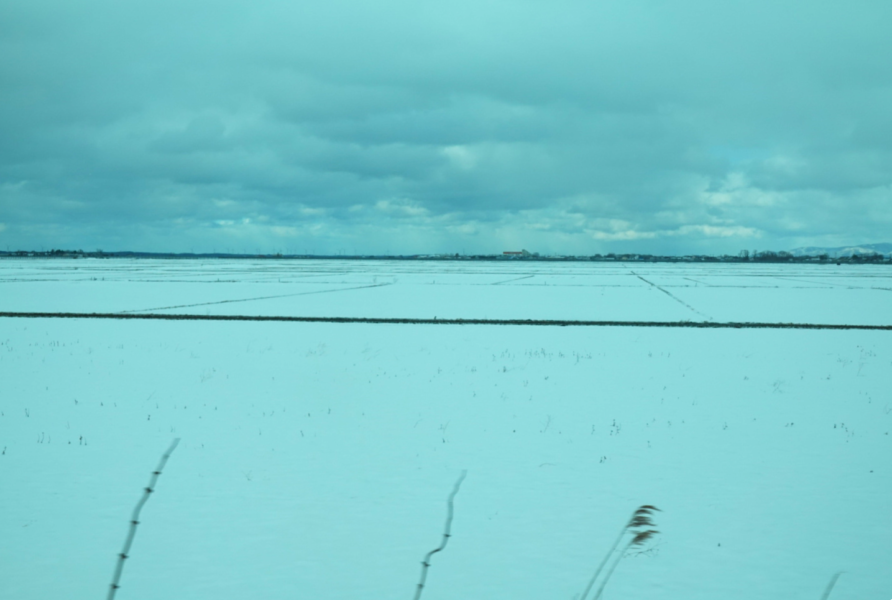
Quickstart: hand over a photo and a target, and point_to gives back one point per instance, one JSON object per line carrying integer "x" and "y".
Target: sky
{"x": 398, "y": 127}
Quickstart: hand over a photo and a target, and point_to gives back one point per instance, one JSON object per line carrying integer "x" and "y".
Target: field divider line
{"x": 698, "y": 282}
{"x": 825, "y": 284}
{"x": 412, "y": 321}
{"x": 671, "y": 295}
{"x": 145, "y": 310}
{"x": 510, "y": 280}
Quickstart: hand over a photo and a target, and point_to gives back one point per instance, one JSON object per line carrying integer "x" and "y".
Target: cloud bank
{"x": 405, "y": 127}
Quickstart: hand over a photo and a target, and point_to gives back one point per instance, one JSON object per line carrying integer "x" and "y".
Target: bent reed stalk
{"x": 640, "y": 518}
{"x": 425, "y": 564}
{"x": 638, "y": 540}
{"x": 830, "y": 585}
{"x": 134, "y": 520}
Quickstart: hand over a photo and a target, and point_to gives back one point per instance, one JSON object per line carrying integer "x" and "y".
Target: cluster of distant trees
{"x": 764, "y": 256}
{"x": 53, "y": 253}
{"x": 770, "y": 256}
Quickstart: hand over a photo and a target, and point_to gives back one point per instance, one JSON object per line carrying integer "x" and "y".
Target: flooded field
{"x": 316, "y": 459}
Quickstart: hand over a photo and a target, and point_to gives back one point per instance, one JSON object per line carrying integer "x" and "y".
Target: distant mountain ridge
{"x": 884, "y": 248}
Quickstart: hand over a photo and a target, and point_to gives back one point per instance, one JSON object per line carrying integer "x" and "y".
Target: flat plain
{"x": 316, "y": 458}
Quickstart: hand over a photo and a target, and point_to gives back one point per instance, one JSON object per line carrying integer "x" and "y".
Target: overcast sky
{"x": 398, "y": 126}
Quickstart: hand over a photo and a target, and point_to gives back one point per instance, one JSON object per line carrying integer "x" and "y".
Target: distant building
{"x": 521, "y": 254}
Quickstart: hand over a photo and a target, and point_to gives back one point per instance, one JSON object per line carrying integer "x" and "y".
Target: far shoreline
{"x": 766, "y": 257}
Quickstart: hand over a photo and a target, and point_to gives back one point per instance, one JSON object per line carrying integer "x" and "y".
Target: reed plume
{"x": 639, "y": 520}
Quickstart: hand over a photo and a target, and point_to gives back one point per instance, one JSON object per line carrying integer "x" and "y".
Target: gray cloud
{"x": 422, "y": 127}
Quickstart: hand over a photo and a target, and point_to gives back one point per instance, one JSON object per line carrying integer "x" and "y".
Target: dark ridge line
{"x": 362, "y": 287}
{"x": 515, "y": 279}
{"x": 409, "y": 321}
{"x": 671, "y": 295}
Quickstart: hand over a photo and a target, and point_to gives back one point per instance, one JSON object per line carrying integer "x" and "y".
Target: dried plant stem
{"x": 830, "y": 586}
{"x": 639, "y": 518}
{"x": 612, "y": 568}
{"x": 639, "y": 539}
{"x": 134, "y": 520}
{"x": 600, "y": 568}
{"x": 425, "y": 564}
{"x": 610, "y": 571}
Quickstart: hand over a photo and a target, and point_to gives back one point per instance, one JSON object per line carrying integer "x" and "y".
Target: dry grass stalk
{"x": 425, "y": 564}
{"x": 134, "y": 520}
{"x": 830, "y": 586}
{"x": 638, "y": 540}
{"x": 640, "y": 519}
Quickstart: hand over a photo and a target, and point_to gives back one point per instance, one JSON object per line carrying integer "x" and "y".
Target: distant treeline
{"x": 744, "y": 256}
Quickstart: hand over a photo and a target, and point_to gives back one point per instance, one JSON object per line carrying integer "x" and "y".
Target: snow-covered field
{"x": 316, "y": 458}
